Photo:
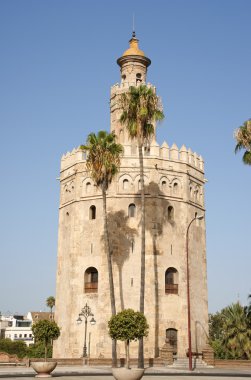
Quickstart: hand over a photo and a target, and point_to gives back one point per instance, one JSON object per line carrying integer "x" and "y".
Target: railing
{"x": 172, "y": 288}
{"x": 91, "y": 287}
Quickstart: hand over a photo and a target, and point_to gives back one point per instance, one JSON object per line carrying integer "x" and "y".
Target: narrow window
{"x": 175, "y": 188}
{"x": 170, "y": 214}
{"x": 171, "y": 281}
{"x": 131, "y": 210}
{"x": 92, "y": 213}
{"x": 163, "y": 185}
{"x": 139, "y": 185}
{"x": 88, "y": 187}
{"x": 125, "y": 184}
{"x": 196, "y": 195}
{"x": 91, "y": 280}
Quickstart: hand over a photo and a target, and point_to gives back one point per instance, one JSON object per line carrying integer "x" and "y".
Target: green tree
{"x": 11, "y": 347}
{"x": 50, "y": 302}
{"x": 103, "y": 163}
{"x": 243, "y": 141}
{"x": 237, "y": 331}
{"x": 141, "y": 108}
{"x": 128, "y": 325}
{"x": 230, "y": 332}
{"x": 45, "y": 331}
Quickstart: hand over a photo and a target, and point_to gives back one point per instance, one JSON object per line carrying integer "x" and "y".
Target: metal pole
{"x": 188, "y": 301}
{"x": 84, "y": 351}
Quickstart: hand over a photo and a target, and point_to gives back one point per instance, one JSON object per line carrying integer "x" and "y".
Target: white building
{"x": 18, "y": 327}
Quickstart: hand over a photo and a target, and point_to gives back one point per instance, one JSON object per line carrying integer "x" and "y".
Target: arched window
{"x": 139, "y": 185}
{"x": 175, "y": 188}
{"x": 172, "y": 336}
{"x": 171, "y": 281}
{"x": 91, "y": 280}
{"x": 125, "y": 184}
{"x": 92, "y": 212}
{"x": 88, "y": 187}
{"x": 131, "y": 210}
{"x": 170, "y": 214}
{"x": 196, "y": 192}
{"x": 138, "y": 78}
{"x": 163, "y": 185}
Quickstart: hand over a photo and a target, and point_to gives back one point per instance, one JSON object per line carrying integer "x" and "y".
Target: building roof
{"x": 40, "y": 315}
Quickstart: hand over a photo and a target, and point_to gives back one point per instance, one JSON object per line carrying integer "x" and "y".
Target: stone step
{"x": 183, "y": 363}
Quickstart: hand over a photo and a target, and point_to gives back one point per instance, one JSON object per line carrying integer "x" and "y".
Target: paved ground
{"x": 104, "y": 373}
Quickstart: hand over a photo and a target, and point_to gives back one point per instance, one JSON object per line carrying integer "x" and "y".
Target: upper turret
{"x": 133, "y": 64}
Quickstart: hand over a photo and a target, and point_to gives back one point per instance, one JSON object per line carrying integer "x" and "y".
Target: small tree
{"x": 128, "y": 325}
{"x": 44, "y": 331}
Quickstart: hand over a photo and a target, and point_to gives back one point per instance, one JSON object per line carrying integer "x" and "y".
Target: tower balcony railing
{"x": 91, "y": 287}
{"x": 171, "y": 288}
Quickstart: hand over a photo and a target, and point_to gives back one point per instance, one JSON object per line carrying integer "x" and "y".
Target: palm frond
{"x": 247, "y": 158}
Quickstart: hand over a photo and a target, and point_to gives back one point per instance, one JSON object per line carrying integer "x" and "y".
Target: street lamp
{"x": 86, "y": 313}
{"x": 188, "y": 295}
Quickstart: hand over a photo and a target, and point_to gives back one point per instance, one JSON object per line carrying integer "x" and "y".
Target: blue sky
{"x": 58, "y": 61}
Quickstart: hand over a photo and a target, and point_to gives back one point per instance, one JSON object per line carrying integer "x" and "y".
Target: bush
{"x": 16, "y": 347}
{"x": 37, "y": 350}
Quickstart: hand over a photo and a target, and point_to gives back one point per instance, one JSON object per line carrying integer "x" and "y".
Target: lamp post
{"x": 188, "y": 294}
{"x": 86, "y": 313}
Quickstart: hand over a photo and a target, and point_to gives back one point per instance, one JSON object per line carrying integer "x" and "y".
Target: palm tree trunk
{"x": 143, "y": 253}
{"x": 109, "y": 264}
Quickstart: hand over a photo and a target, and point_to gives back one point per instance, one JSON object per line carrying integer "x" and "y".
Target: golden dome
{"x": 134, "y": 48}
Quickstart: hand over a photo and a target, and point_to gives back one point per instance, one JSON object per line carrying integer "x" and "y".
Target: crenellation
{"x": 73, "y": 157}
{"x": 190, "y": 157}
{"x": 174, "y": 152}
{"x": 183, "y": 153}
{"x": 164, "y": 150}
{"x": 154, "y": 150}
{"x": 201, "y": 163}
{"x": 118, "y": 88}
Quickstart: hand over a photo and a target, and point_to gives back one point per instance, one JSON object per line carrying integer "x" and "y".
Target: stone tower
{"x": 174, "y": 180}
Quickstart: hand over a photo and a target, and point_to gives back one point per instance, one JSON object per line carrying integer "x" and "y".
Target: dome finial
{"x": 133, "y": 26}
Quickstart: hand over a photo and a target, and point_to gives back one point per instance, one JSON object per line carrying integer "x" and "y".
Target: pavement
{"x": 104, "y": 373}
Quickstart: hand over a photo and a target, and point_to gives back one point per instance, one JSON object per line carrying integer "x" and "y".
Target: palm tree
{"x": 103, "y": 162}
{"x": 243, "y": 139}
{"x": 237, "y": 331}
{"x": 141, "y": 107}
{"x": 50, "y": 302}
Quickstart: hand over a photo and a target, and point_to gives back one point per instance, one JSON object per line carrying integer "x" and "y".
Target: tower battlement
{"x": 172, "y": 154}
{"x": 121, "y": 87}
